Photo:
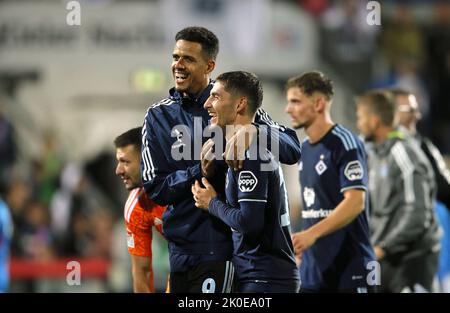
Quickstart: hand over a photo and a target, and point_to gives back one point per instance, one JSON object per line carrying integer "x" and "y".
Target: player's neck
{"x": 319, "y": 129}
{"x": 240, "y": 121}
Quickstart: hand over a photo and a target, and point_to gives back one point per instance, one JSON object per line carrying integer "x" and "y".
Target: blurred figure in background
{"x": 8, "y": 149}
{"x": 348, "y": 41}
{"x": 141, "y": 214}
{"x": 48, "y": 168}
{"x": 408, "y": 115}
{"x": 334, "y": 244}
{"x": 405, "y": 233}
{"x": 6, "y": 230}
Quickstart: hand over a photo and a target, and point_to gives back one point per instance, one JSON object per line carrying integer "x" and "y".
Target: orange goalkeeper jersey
{"x": 141, "y": 214}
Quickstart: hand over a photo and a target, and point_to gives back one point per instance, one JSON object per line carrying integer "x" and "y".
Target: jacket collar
{"x": 386, "y": 145}
{"x": 186, "y": 98}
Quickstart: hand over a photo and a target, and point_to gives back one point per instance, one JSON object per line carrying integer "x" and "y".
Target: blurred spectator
{"x": 101, "y": 226}
{"x": 403, "y": 46}
{"x": 315, "y": 7}
{"x": 48, "y": 169}
{"x": 438, "y": 71}
{"x": 6, "y": 229}
{"x": 405, "y": 233}
{"x": 17, "y": 197}
{"x": 348, "y": 41}
{"x": 7, "y": 149}
{"x": 36, "y": 239}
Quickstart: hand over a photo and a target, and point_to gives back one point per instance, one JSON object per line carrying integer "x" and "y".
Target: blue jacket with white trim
{"x": 170, "y": 165}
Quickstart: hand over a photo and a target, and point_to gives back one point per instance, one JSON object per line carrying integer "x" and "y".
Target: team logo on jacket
{"x": 354, "y": 170}
{"x": 247, "y": 181}
{"x": 321, "y": 167}
{"x": 309, "y": 195}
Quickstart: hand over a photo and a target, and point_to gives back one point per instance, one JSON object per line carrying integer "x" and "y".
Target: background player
{"x": 334, "y": 242}
{"x": 404, "y": 230}
{"x": 141, "y": 214}
{"x": 407, "y": 116}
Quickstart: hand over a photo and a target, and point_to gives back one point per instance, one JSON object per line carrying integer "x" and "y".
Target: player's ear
{"x": 211, "y": 65}
{"x": 242, "y": 105}
{"x": 319, "y": 103}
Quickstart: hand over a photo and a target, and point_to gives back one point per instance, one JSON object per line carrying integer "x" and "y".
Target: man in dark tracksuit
{"x": 200, "y": 245}
{"x": 404, "y": 230}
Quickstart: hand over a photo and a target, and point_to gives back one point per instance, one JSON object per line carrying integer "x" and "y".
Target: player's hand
{"x": 207, "y": 158}
{"x": 379, "y": 252}
{"x": 203, "y": 196}
{"x": 302, "y": 241}
{"x": 298, "y": 259}
{"x": 236, "y": 146}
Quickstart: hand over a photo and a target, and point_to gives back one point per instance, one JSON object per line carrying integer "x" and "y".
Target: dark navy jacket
{"x": 172, "y": 141}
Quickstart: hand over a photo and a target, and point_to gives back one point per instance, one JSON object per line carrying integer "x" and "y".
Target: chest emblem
{"x": 321, "y": 167}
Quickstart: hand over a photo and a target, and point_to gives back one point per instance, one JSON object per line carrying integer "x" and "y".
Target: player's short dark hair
{"x": 380, "y": 103}
{"x": 203, "y": 36}
{"x": 130, "y": 137}
{"x": 311, "y": 82}
{"x": 240, "y": 83}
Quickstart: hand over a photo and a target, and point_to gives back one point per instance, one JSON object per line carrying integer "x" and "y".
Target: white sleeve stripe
{"x": 131, "y": 208}
{"x": 129, "y": 200}
{"x": 406, "y": 167}
{"x": 167, "y": 102}
{"x": 252, "y": 200}
{"x": 230, "y": 278}
{"x": 426, "y": 192}
{"x": 354, "y": 187}
{"x": 225, "y": 280}
{"x": 440, "y": 162}
{"x": 148, "y": 171}
{"x": 404, "y": 161}
{"x": 131, "y": 196}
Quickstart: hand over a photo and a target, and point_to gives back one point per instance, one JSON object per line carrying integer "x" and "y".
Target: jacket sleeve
{"x": 441, "y": 171}
{"x": 414, "y": 193}
{"x": 248, "y": 218}
{"x": 252, "y": 193}
{"x": 285, "y": 139}
{"x": 162, "y": 184}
